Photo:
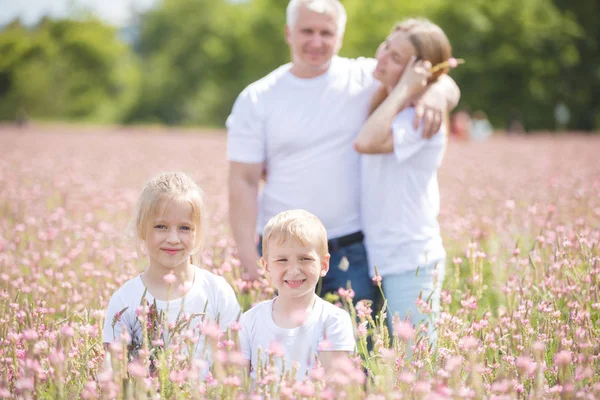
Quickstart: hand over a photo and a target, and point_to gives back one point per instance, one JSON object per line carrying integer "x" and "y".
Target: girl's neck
{"x": 292, "y": 312}
{"x": 154, "y": 280}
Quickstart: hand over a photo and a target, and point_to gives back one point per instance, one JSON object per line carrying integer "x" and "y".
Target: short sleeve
{"x": 245, "y": 347}
{"x": 228, "y": 306}
{"x": 114, "y": 315}
{"x": 407, "y": 140}
{"x": 245, "y": 131}
{"x": 339, "y": 332}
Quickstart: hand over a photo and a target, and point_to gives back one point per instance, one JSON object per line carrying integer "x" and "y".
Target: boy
{"x": 297, "y": 326}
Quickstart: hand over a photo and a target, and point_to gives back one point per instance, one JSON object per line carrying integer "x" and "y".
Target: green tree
{"x": 65, "y": 69}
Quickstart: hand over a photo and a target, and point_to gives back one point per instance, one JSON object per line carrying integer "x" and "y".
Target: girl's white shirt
{"x": 400, "y": 199}
{"x": 210, "y": 295}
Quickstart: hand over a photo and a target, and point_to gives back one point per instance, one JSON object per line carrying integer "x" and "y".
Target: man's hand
{"x": 430, "y": 107}
{"x": 441, "y": 97}
{"x": 251, "y": 269}
{"x": 243, "y": 210}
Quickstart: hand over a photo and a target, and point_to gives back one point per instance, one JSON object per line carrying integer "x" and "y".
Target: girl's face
{"x": 171, "y": 239}
{"x": 392, "y": 57}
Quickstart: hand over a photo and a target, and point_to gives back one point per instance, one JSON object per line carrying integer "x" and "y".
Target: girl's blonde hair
{"x": 299, "y": 225}
{"x": 430, "y": 44}
{"x": 170, "y": 186}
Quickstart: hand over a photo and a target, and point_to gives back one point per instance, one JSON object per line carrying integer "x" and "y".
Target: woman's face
{"x": 392, "y": 56}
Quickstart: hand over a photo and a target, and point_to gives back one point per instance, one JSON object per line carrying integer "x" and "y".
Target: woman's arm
{"x": 376, "y": 134}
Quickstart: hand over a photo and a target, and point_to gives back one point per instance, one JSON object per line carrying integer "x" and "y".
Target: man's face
{"x": 313, "y": 41}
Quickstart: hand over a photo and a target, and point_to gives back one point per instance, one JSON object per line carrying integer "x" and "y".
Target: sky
{"x": 117, "y": 12}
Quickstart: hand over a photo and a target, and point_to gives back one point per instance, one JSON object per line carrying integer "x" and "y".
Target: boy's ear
{"x": 263, "y": 263}
{"x": 325, "y": 264}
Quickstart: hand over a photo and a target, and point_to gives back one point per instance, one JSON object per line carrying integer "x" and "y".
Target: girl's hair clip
{"x": 449, "y": 63}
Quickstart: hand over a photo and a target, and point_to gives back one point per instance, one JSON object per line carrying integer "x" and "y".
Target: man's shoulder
{"x": 268, "y": 81}
{"x": 362, "y": 63}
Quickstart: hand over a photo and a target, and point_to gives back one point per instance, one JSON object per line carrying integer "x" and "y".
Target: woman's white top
{"x": 400, "y": 200}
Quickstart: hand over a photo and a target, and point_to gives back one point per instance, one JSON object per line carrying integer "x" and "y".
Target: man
{"x": 300, "y": 122}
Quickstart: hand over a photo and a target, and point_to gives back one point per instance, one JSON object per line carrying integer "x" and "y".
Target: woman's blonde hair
{"x": 299, "y": 225}
{"x": 170, "y": 186}
{"x": 430, "y": 44}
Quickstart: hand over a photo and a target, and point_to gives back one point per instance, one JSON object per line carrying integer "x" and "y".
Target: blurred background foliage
{"x": 185, "y": 61}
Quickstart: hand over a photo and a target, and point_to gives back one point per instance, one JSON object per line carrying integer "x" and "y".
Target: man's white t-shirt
{"x": 327, "y": 326}
{"x": 400, "y": 200}
{"x": 209, "y": 294}
{"x": 304, "y": 129}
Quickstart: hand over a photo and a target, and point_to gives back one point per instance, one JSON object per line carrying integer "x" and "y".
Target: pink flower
{"x": 211, "y": 330}
{"x": 468, "y": 343}
{"x": 235, "y": 326}
{"x": 404, "y": 330}
{"x": 170, "y": 278}
{"x": 324, "y": 345}
{"x": 276, "y": 349}
{"x": 452, "y": 62}
{"x": 30, "y": 334}
{"x": 562, "y": 358}
{"x": 137, "y": 370}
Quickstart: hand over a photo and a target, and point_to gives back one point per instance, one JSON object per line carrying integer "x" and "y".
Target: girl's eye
{"x": 307, "y": 259}
{"x": 281, "y": 260}
{"x": 186, "y": 228}
{"x": 160, "y": 227}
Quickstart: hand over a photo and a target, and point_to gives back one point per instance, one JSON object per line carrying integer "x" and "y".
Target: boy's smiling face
{"x": 294, "y": 268}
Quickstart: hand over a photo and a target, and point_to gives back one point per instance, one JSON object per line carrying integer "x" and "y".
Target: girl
{"x": 168, "y": 227}
{"x": 400, "y": 196}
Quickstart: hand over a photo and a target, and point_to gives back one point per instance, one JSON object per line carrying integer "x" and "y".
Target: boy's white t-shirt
{"x": 326, "y": 325}
{"x": 400, "y": 200}
{"x": 209, "y": 294}
{"x": 304, "y": 130}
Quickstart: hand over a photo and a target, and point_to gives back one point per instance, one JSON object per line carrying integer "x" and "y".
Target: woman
{"x": 400, "y": 195}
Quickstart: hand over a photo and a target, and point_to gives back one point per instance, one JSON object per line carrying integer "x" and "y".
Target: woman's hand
{"x": 414, "y": 79}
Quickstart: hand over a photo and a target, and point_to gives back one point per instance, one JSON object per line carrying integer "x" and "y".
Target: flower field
{"x": 520, "y": 309}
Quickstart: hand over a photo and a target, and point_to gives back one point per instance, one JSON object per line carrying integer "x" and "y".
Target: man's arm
{"x": 243, "y": 211}
{"x": 440, "y": 97}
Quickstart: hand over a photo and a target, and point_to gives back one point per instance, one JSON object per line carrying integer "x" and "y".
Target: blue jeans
{"x": 402, "y": 290}
{"x": 355, "y": 271}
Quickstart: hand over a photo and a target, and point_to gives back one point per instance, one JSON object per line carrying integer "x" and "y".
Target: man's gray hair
{"x": 320, "y": 6}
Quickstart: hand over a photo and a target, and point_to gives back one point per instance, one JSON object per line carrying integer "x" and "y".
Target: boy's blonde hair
{"x": 170, "y": 186}
{"x": 300, "y": 225}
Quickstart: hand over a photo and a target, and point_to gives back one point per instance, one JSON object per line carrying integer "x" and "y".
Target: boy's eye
{"x": 186, "y": 228}
{"x": 307, "y": 259}
{"x": 281, "y": 260}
